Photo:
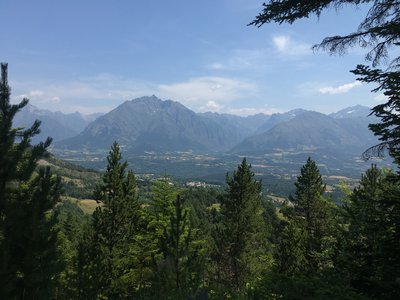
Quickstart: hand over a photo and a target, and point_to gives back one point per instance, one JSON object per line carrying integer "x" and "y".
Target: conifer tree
{"x": 182, "y": 254}
{"x": 178, "y": 254}
{"x": 163, "y": 194}
{"x": 312, "y": 214}
{"x": 70, "y": 223}
{"x": 242, "y": 222}
{"x": 28, "y": 254}
{"x": 372, "y": 248}
{"x": 114, "y": 227}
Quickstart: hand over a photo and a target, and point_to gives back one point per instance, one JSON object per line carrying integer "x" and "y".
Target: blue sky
{"x": 92, "y": 55}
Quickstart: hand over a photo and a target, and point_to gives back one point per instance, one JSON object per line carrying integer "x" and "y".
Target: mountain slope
{"x": 57, "y": 125}
{"x": 243, "y": 126}
{"x": 279, "y": 118}
{"x": 150, "y": 124}
{"x": 357, "y": 111}
{"x": 311, "y": 130}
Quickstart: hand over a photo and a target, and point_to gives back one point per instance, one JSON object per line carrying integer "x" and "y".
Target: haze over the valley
{"x": 91, "y": 56}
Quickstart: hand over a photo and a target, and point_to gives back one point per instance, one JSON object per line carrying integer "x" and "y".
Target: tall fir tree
{"x": 179, "y": 250}
{"x": 313, "y": 215}
{"x": 113, "y": 228}
{"x": 372, "y": 243}
{"x": 28, "y": 256}
{"x": 242, "y": 238}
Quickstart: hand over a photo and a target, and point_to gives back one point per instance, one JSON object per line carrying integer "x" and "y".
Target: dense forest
{"x": 164, "y": 241}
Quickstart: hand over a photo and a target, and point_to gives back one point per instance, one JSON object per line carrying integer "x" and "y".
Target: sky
{"x": 92, "y": 55}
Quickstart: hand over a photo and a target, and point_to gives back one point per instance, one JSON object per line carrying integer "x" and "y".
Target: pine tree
{"x": 313, "y": 215}
{"x": 242, "y": 222}
{"x": 163, "y": 194}
{"x": 114, "y": 227}
{"x": 290, "y": 250}
{"x": 372, "y": 248}
{"x": 28, "y": 257}
{"x": 182, "y": 251}
{"x": 179, "y": 251}
{"x": 70, "y": 223}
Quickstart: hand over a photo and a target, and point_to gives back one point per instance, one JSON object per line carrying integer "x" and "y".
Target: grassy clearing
{"x": 88, "y": 206}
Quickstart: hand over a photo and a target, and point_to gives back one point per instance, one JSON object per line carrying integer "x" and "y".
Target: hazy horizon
{"x": 231, "y": 113}
{"x": 91, "y": 56}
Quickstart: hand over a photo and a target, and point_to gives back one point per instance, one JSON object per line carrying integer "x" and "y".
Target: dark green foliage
{"x": 306, "y": 246}
{"x": 28, "y": 254}
{"x": 241, "y": 241}
{"x": 113, "y": 229}
{"x": 290, "y": 250}
{"x": 304, "y": 287}
{"x": 388, "y": 129}
{"x": 311, "y": 225}
{"x": 18, "y": 157}
{"x": 372, "y": 248}
{"x": 183, "y": 255}
{"x": 178, "y": 251}
{"x": 71, "y": 221}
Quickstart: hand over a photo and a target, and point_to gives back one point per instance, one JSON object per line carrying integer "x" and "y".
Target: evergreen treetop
{"x": 28, "y": 255}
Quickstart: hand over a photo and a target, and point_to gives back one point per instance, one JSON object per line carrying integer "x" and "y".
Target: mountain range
{"x": 311, "y": 130}
{"x": 57, "y": 125}
{"x": 148, "y": 124}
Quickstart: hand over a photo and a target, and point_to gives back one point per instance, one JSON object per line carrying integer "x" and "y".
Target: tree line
{"x": 178, "y": 243}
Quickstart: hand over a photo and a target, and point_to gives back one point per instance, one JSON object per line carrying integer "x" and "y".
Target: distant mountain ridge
{"x": 151, "y": 124}
{"x": 244, "y": 126}
{"x": 57, "y": 125}
{"x": 312, "y": 130}
{"x": 277, "y": 118}
{"x": 357, "y": 111}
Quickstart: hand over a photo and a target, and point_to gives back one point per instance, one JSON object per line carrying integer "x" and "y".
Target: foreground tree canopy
{"x": 28, "y": 254}
{"x": 379, "y": 32}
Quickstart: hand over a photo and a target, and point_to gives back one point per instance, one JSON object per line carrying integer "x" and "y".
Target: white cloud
{"x": 216, "y": 66}
{"x": 86, "y": 110}
{"x": 37, "y": 96}
{"x": 197, "y": 91}
{"x": 247, "y": 111}
{"x": 242, "y": 59}
{"x": 105, "y": 91}
{"x": 341, "y": 89}
{"x": 262, "y": 58}
{"x": 281, "y": 42}
{"x": 55, "y": 99}
{"x": 211, "y": 106}
{"x": 35, "y": 93}
{"x": 286, "y": 46}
